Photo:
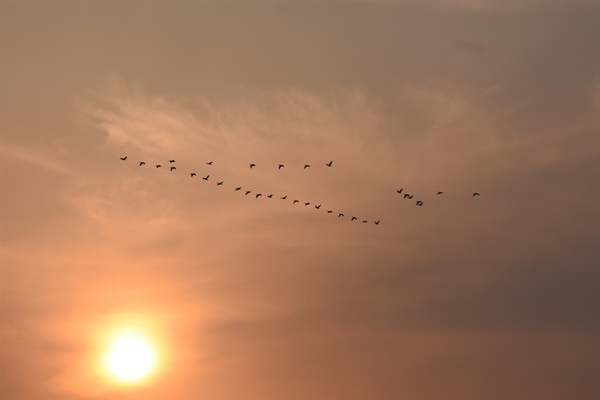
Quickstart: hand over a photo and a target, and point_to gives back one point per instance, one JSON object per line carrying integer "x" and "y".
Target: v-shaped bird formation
{"x": 252, "y": 166}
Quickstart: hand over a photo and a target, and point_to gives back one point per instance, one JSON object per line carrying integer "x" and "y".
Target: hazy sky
{"x": 493, "y": 297}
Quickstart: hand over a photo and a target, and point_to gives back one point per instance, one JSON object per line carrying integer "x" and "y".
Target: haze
{"x": 494, "y": 297}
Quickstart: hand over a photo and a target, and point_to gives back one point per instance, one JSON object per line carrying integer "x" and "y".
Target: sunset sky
{"x": 236, "y": 297}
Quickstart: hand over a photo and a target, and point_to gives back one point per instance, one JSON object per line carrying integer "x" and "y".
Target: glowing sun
{"x": 130, "y": 357}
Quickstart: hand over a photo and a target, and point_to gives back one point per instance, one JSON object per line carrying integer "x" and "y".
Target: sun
{"x": 130, "y": 357}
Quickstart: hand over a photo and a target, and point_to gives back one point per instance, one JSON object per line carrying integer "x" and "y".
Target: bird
{"x": 238, "y": 188}
{"x": 329, "y": 163}
{"x": 252, "y": 166}
{"x": 192, "y": 174}
{"x": 258, "y": 195}
{"x": 142, "y": 163}
{"x": 438, "y": 193}
{"x": 205, "y": 177}
{"x": 123, "y": 158}
{"x": 296, "y": 201}
{"x": 158, "y": 165}
{"x": 365, "y": 221}
{"x": 317, "y": 207}
{"x": 307, "y": 203}
{"x": 340, "y": 215}
{"x": 173, "y": 168}
{"x": 419, "y": 203}
{"x": 353, "y": 218}
{"x": 171, "y": 161}
{"x": 411, "y": 196}
{"x": 406, "y": 195}
{"x": 476, "y": 194}
{"x": 329, "y": 211}
{"x": 270, "y": 196}
{"x": 209, "y": 163}
{"x": 399, "y": 191}
{"x": 219, "y": 183}
{"x": 248, "y": 192}
{"x": 376, "y": 222}
{"x": 279, "y": 166}
{"x": 284, "y": 197}
{"x": 306, "y": 166}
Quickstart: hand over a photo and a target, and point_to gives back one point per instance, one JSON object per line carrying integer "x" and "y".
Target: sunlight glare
{"x": 130, "y": 357}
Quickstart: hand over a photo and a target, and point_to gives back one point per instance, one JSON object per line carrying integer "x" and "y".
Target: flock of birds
{"x": 408, "y": 196}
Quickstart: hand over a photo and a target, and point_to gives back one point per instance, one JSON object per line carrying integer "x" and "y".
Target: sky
{"x": 489, "y": 297}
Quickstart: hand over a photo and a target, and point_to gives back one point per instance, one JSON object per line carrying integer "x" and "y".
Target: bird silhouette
{"x": 306, "y": 204}
{"x": 205, "y": 177}
{"x": 353, "y": 218}
{"x": 238, "y": 188}
{"x": 376, "y": 222}
{"x": 438, "y": 193}
{"x": 284, "y": 197}
{"x": 329, "y": 211}
{"x": 270, "y": 196}
{"x": 209, "y": 163}
{"x": 123, "y": 158}
{"x": 219, "y": 183}
{"x": 252, "y": 166}
{"x": 365, "y": 221}
{"x": 258, "y": 195}
{"x": 171, "y": 161}
{"x": 317, "y": 207}
{"x": 142, "y": 163}
{"x": 476, "y": 194}
{"x": 192, "y": 174}
{"x": 248, "y": 192}
{"x": 306, "y": 166}
{"x": 329, "y": 163}
{"x": 399, "y": 191}
{"x": 419, "y": 203}
{"x": 296, "y": 201}
{"x": 158, "y": 165}
{"x": 411, "y": 196}
{"x": 340, "y": 215}
{"x": 173, "y": 168}
{"x": 406, "y": 196}
{"x": 279, "y": 166}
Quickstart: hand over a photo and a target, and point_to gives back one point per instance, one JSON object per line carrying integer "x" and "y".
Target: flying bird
{"x": 252, "y": 166}
{"x": 377, "y": 222}
{"x": 192, "y": 174}
{"x": 284, "y": 197}
{"x": 407, "y": 196}
{"x": 353, "y": 218}
{"x": 248, "y": 192}
{"x": 123, "y": 158}
{"x": 306, "y": 204}
{"x": 219, "y": 183}
{"x": 158, "y": 165}
{"x": 340, "y": 215}
{"x": 209, "y": 163}
{"x": 258, "y": 195}
{"x": 438, "y": 193}
{"x": 411, "y": 196}
{"x": 296, "y": 201}
{"x": 306, "y": 166}
{"x": 317, "y": 207}
{"x": 419, "y": 203}
{"x": 365, "y": 221}
{"x": 142, "y": 163}
{"x": 205, "y": 177}
{"x": 399, "y": 191}
{"x": 270, "y": 196}
{"x": 173, "y": 168}
{"x": 329, "y": 211}
{"x": 279, "y": 166}
{"x": 329, "y": 163}
{"x": 476, "y": 194}
{"x": 238, "y": 188}
{"x": 171, "y": 161}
